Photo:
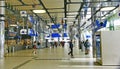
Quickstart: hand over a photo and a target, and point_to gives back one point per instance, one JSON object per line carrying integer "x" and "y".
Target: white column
{"x": 2, "y": 39}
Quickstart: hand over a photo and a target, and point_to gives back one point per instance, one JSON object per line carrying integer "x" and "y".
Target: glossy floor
{"x": 50, "y": 58}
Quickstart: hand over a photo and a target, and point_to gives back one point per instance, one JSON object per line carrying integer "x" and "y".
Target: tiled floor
{"x": 50, "y": 58}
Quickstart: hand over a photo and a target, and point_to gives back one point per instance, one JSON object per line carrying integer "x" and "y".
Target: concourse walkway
{"x": 50, "y": 58}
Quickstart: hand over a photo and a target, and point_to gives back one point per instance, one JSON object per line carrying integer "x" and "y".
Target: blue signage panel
{"x": 65, "y": 26}
{"x": 100, "y": 24}
{"x": 55, "y": 35}
{"x": 31, "y": 32}
{"x": 31, "y": 19}
{"x": 65, "y": 35}
{"x": 87, "y": 36}
{"x": 55, "y": 26}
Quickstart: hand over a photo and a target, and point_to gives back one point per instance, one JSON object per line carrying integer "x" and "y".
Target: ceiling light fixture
{"x": 72, "y": 13}
{"x": 13, "y": 25}
{"x": 69, "y": 22}
{"x": 65, "y": 18}
{"x": 39, "y": 11}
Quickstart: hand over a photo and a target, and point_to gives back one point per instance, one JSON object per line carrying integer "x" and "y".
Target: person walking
{"x": 38, "y": 44}
{"x": 25, "y": 44}
{"x": 62, "y": 43}
{"x": 87, "y": 46}
{"x": 71, "y": 48}
{"x": 34, "y": 48}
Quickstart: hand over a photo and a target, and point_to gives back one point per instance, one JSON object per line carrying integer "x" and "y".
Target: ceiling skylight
{"x": 107, "y": 8}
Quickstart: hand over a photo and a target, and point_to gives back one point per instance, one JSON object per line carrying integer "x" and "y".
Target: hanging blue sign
{"x": 100, "y": 24}
{"x": 87, "y": 36}
{"x": 55, "y": 35}
{"x": 31, "y": 19}
{"x": 31, "y": 32}
{"x": 65, "y": 35}
{"x": 55, "y": 26}
{"x": 65, "y": 26}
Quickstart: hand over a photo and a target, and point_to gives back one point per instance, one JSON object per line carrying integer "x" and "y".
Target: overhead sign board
{"x": 23, "y": 13}
{"x": 23, "y": 31}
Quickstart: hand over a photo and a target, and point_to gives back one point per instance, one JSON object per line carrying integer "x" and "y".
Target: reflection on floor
{"x": 50, "y": 58}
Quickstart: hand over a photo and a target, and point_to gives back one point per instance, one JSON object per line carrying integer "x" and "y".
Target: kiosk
{"x": 108, "y": 47}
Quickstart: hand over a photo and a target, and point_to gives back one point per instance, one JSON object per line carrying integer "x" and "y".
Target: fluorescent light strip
{"x": 13, "y": 25}
{"x": 72, "y": 13}
{"x": 39, "y": 11}
{"x": 69, "y": 22}
{"x": 71, "y": 16}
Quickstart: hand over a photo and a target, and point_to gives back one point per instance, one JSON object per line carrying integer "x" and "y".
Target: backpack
{"x": 86, "y": 44}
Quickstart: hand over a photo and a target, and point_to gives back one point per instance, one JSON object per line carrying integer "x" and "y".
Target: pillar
{"x": 93, "y": 9}
{"x": 79, "y": 31}
{"x": 93, "y": 36}
{"x": 2, "y": 18}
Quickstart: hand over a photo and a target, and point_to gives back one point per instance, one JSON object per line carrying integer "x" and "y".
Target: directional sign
{"x": 23, "y": 13}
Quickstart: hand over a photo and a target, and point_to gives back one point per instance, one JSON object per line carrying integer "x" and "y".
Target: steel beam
{"x": 46, "y": 10}
{"x": 79, "y": 11}
{"x": 111, "y": 10}
{"x": 65, "y": 9}
{"x": 90, "y": 2}
{"x": 21, "y": 2}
